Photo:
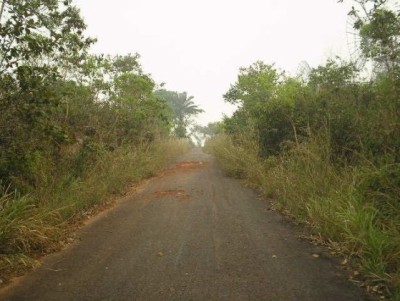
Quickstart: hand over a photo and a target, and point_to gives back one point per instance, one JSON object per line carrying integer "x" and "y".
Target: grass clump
{"x": 35, "y": 224}
{"x": 339, "y": 204}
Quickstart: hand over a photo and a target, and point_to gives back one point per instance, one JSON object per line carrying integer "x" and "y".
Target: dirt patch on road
{"x": 191, "y": 165}
{"x": 184, "y": 167}
{"x": 180, "y": 194}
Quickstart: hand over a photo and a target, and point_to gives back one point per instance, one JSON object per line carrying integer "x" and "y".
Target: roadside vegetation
{"x": 324, "y": 146}
{"x": 76, "y": 129}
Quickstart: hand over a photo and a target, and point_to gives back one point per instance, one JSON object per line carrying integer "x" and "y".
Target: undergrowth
{"x": 39, "y": 223}
{"x": 339, "y": 204}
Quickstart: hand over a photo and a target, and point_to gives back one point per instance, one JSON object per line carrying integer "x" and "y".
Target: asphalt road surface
{"x": 189, "y": 234}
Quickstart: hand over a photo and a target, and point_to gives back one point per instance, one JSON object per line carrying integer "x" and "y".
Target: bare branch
{"x": 3, "y": 4}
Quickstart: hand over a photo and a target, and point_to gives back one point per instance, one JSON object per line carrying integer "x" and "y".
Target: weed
{"x": 31, "y": 225}
{"x": 338, "y": 203}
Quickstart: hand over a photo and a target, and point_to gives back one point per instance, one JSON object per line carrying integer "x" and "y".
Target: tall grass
{"x": 332, "y": 200}
{"x": 110, "y": 175}
{"x": 35, "y": 224}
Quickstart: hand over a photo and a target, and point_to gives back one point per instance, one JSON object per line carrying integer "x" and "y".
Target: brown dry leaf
{"x": 160, "y": 254}
{"x": 344, "y": 262}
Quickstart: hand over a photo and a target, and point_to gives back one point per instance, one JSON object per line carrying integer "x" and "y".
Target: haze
{"x": 198, "y": 46}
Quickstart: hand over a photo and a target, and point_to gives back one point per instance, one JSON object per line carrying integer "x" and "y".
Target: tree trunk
{"x": 294, "y": 131}
{"x": 3, "y": 4}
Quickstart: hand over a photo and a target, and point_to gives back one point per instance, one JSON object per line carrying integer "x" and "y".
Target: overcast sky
{"x": 198, "y": 46}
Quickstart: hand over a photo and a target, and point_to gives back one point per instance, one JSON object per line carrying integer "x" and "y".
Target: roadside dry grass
{"x": 328, "y": 199}
{"x": 40, "y": 223}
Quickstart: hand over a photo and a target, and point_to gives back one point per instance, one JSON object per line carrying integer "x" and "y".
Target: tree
{"x": 255, "y": 84}
{"x": 140, "y": 113}
{"x": 183, "y": 107}
{"x": 332, "y": 76}
{"x": 39, "y": 28}
{"x": 255, "y": 91}
{"x": 379, "y": 29}
{"x": 201, "y": 133}
{"x": 37, "y": 36}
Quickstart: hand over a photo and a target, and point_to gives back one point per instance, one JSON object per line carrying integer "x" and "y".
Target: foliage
{"x": 75, "y": 128}
{"x": 183, "y": 109}
{"x": 103, "y": 103}
{"x": 200, "y": 133}
{"x": 379, "y": 29}
{"x": 255, "y": 84}
{"x": 326, "y": 146}
{"x": 36, "y": 29}
{"x": 40, "y": 223}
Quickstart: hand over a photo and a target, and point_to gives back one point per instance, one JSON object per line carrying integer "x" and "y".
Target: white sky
{"x": 198, "y": 46}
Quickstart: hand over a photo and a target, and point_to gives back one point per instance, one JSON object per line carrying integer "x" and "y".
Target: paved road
{"x": 189, "y": 234}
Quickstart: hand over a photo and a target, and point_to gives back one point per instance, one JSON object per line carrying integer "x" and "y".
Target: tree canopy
{"x": 183, "y": 108}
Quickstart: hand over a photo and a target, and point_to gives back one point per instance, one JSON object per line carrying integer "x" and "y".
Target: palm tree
{"x": 183, "y": 108}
